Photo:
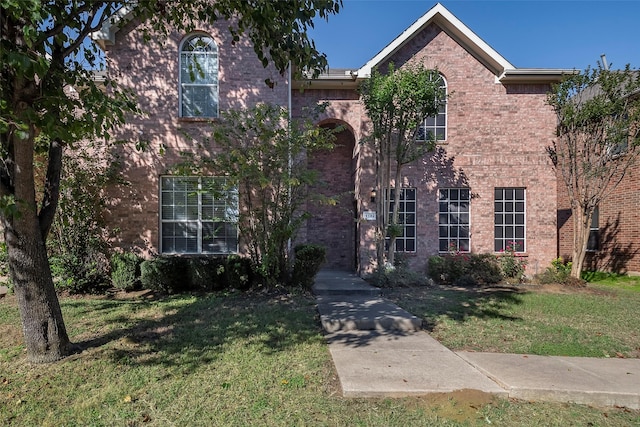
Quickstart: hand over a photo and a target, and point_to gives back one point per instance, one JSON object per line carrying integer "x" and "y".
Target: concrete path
{"x": 379, "y": 350}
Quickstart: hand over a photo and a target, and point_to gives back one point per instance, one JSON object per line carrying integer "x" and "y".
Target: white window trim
{"x": 445, "y": 113}
{"x": 449, "y": 225}
{"x": 524, "y": 225}
{"x": 180, "y": 84}
{"x": 415, "y": 224}
{"x": 199, "y": 221}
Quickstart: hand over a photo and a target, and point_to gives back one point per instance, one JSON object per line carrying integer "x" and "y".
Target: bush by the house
{"x": 239, "y": 272}
{"x": 464, "y": 269}
{"x": 85, "y": 274}
{"x": 559, "y": 272}
{"x": 397, "y": 277}
{"x": 308, "y": 260}
{"x": 208, "y": 274}
{"x": 513, "y": 265}
{"x": 125, "y": 271}
{"x": 165, "y": 274}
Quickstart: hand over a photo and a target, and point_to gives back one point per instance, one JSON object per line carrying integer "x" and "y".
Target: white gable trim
{"x": 452, "y": 26}
{"x": 106, "y": 35}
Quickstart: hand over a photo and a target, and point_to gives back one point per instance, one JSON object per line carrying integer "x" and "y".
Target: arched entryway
{"x": 334, "y": 226}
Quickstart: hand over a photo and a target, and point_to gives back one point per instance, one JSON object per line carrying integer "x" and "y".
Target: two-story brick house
{"x": 489, "y": 183}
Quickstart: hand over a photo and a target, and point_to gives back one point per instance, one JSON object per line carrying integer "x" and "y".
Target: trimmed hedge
{"x": 165, "y": 274}
{"x": 125, "y": 271}
{"x": 308, "y": 260}
{"x": 465, "y": 269}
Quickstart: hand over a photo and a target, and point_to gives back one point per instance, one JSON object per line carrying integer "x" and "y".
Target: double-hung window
{"x": 593, "y": 244}
{"x": 454, "y": 220}
{"x": 435, "y": 128}
{"x": 199, "y": 77}
{"x": 406, "y": 240}
{"x": 509, "y": 220}
{"x": 198, "y": 215}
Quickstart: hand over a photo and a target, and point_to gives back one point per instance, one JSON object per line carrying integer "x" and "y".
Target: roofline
{"x": 535, "y": 75}
{"x": 106, "y": 35}
{"x": 456, "y": 29}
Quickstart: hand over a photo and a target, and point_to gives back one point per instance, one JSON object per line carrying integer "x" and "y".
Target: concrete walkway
{"x": 379, "y": 350}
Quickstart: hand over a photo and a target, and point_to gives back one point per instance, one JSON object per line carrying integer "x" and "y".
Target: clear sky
{"x": 528, "y": 34}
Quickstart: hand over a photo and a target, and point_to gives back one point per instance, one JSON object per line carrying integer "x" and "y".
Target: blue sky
{"x": 529, "y": 34}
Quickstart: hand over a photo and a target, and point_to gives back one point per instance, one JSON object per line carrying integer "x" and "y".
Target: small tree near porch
{"x": 597, "y": 141}
{"x": 397, "y": 104}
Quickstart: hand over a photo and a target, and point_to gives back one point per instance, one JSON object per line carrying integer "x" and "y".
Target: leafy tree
{"x": 597, "y": 141}
{"x": 47, "y": 87}
{"x": 397, "y": 104}
{"x": 264, "y": 154}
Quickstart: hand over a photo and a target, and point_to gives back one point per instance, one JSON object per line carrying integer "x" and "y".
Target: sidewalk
{"x": 379, "y": 351}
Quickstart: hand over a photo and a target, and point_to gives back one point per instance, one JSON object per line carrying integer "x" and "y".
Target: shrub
{"x": 308, "y": 260}
{"x": 82, "y": 274}
{"x": 513, "y": 266}
{"x": 165, "y": 274}
{"x": 5, "y": 275}
{"x": 397, "y": 277}
{"x": 125, "y": 271}
{"x": 208, "y": 274}
{"x": 465, "y": 269}
{"x": 239, "y": 272}
{"x": 559, "y": 272}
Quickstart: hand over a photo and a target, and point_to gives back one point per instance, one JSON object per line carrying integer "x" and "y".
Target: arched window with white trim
{"x": 199, "y": 77}
{"x": 435, "y": 128}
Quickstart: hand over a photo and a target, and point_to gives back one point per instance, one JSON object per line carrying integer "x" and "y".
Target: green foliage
{"x": 513, "y": 266}
{"x": 558, "y": 272}
{"x": 77, "y": 237}
{"x": 397, "y": 277}
{"x": 125, "y": 271}
{"x": 240, "y": 272}
{"x": 165, "y": 274}
{"x": 597, "y": 141}
{"x": 308, "y": 260}
{"x": 85, "y": 274}
{"x": 208, "y": 274}
{"x": 465, "y": 269}
{"x": 397, "y": 104}
{"x": 5, "y": 277}
{"x": 263, "y": 155}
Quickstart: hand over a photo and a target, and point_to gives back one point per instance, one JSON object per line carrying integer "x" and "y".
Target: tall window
{"x": 406, "y": 242}
{"x": 593, "y": 244}
{"x": 454, "y": 220}
{"x": 199, "y": 77}
{"x": 509, "y": 219}
{"x": 198, "y": 215}
{"x": 436, "y": 127}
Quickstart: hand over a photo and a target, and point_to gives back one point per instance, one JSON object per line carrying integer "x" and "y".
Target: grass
{"x": 546, "y": 320}
{"x": 224, "y": 359}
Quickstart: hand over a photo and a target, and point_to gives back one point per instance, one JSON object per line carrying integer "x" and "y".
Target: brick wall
{"x": 619, "y": 216}
{"x": 151, "y": 71}
{"x": 497, "y": 136}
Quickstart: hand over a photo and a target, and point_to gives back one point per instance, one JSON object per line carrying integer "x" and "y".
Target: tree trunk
{"x": 45, "y": 334}
{"x": 581, "y": 222}
{"x": 395, "y": 215}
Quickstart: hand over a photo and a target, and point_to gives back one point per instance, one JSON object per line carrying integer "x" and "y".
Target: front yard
{"x": 260, "y": 358}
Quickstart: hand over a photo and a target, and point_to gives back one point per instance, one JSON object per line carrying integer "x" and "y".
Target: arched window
{"x": 199, "y": 77}
{"x": 436, "y": 127}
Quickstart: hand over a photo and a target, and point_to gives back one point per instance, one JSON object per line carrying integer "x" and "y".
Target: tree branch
{"x": 51, "y": 188}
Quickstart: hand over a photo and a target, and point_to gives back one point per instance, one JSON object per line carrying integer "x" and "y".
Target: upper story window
{"x": 199, "y": 77}
{"x": 435, "y": 128}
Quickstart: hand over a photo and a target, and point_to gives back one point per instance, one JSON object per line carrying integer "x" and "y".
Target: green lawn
{"x": 224, "y": 360}
{"x": 597, "y": 321}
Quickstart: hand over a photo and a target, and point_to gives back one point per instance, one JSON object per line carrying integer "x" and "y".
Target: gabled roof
{"x": 107, "y": 33}
{"x": 439, "y": 15}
